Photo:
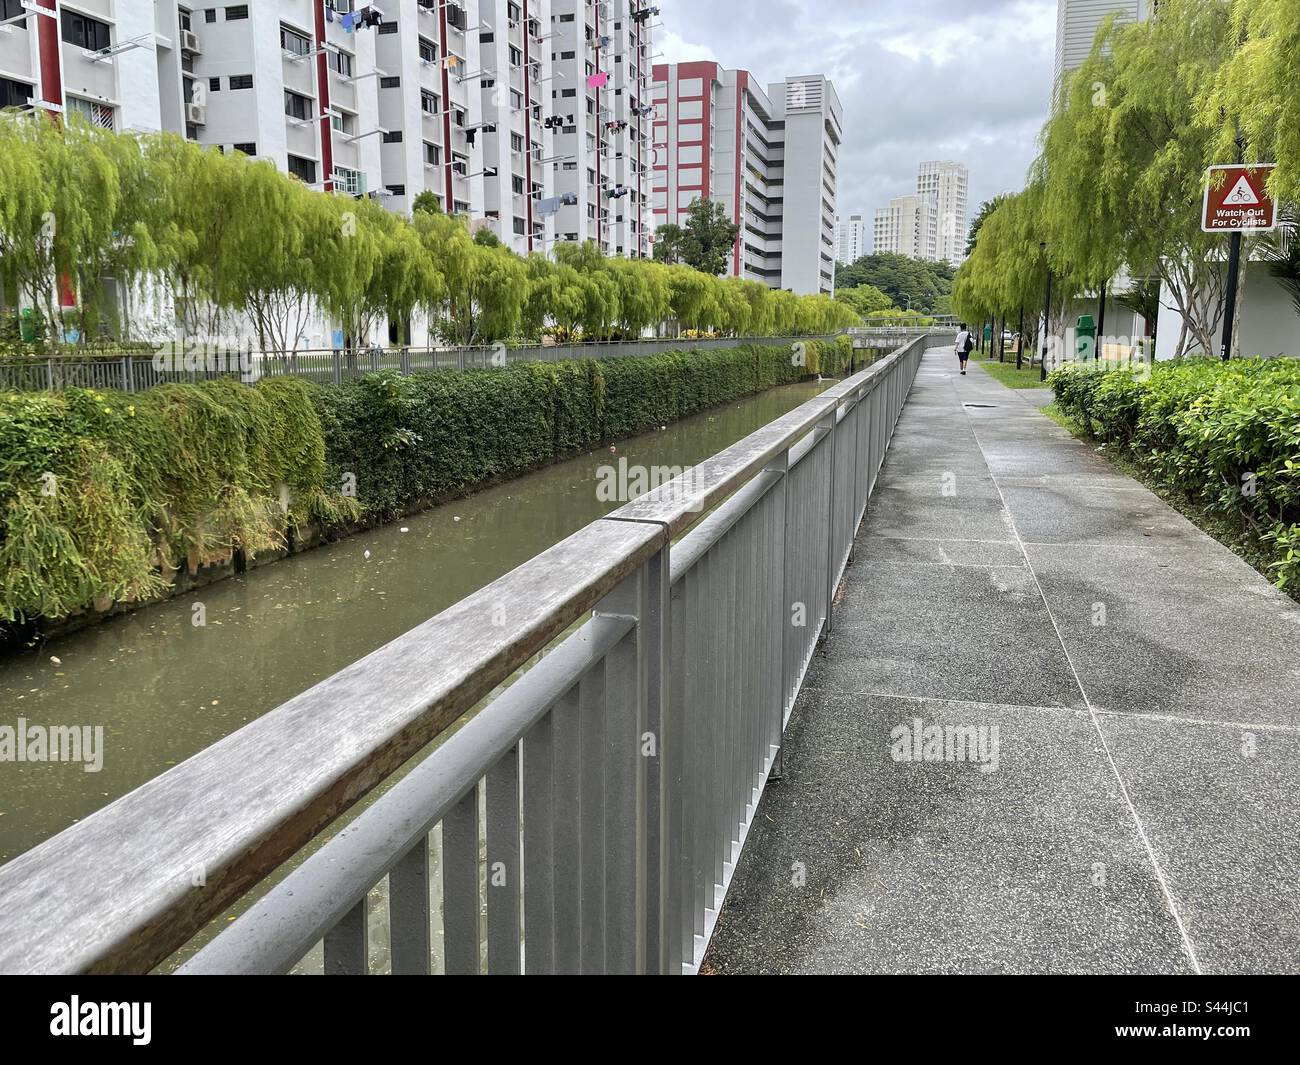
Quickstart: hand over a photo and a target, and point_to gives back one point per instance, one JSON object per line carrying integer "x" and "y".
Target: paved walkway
{"x": 1145, "y": 685}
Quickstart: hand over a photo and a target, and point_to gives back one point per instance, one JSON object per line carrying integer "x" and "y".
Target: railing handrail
{"x": 109, "y": 356}
{"x": 121, "y": 890}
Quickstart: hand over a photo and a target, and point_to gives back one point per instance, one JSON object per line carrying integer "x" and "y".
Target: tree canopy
{"x": 89, "y": 210}
{"x": 898, "y": 277}
{"x": 1119, "y": 180}
{"x": 705, "y": 242}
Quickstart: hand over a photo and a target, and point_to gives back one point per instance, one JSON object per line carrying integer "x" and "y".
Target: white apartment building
{"x": 907, "y": 227}
{"x": 947, "y": 185}
{"x": 601, "y": 53}
{"x": 850, "y": 239}
{"x": 720, "y": 136}
{"x": 1077, "y": 22}
{"x": 808, "y": 113}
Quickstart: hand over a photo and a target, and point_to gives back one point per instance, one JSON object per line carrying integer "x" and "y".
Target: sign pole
{"x": 1230, "y": 309}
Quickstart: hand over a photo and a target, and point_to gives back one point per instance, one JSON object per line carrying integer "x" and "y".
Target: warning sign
{"x": 1236, "y": 200}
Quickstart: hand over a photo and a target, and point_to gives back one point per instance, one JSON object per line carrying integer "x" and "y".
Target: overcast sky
{"x": 918, "y": 79}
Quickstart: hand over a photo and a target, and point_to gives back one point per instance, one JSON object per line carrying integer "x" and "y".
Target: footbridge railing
{"x": 586, "y": 818}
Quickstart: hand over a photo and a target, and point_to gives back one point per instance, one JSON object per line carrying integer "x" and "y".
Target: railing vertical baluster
{"x": 347, "y": 944}
{"x": 408, "y": 912}
{"x": 566, "y": 846}
{"x": 503, "y": 875}
{"x": 830, "y": 423}
{"x": 460, "y": 888}
{"x": 591, "y": 808}
{"x": 539, "y": 849}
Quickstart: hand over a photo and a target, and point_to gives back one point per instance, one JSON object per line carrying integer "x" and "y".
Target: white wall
{"x": 1270, "y": 324}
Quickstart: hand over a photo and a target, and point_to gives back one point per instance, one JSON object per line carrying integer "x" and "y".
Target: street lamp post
{"x": 1047, "y": 316}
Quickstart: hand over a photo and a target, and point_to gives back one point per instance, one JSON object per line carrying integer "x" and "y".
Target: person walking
{"x": 965, "y": 341}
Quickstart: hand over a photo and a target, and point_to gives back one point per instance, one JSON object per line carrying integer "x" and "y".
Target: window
{"x": 390, "y": 83}
{"x": 209, "y": 14}
{"x": 95, "y": 113}
{"x": 519, "y": 226}
{"x": 11, "y": 9}
{"x": 341, "y": 63}
{"x": 388, "y": 27}
{"x": 432, "y": 154}
{"x": 247, "y": 148}
{"x": 344, "y": 123}
{"x": 14, "y": 93}
{"x": 396, "y": 190}
{"x": 516, "y": 142}
{"x": 393, "y": 136}
{"x": 517, "y": 184}
{"x": 303, "y": 168}
{"x": 234, "y": 14}
{"x": 214, "y": 84}
{"x": 428, "y": 103}
{"x": 241, "y": 81}
{"x": 296, "y": 105}
{"x": 294, "y": 42}
{"x": 428, "y": 50}
{"x": 85, "y": 32}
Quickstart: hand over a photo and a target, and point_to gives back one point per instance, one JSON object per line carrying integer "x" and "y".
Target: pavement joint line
{"x": 951, "y": 701}
{"x": 1143, "y": 715}
{"x": 944, "y": 565}
{"x": 1092, "y": 713}
{"x": 935, "y": 539}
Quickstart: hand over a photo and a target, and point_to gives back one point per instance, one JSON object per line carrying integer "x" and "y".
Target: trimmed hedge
{"x": 1227, "y": 435}
{"x": 438, "y": 433}
{"x": 104, "y": 495}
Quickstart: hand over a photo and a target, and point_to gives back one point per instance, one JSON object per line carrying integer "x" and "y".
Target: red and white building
{"x": 769, "y": 155}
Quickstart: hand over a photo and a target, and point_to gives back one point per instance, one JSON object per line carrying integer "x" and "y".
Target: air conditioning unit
{"x": 196, "y": 114}
{"x": 190, "y": 42}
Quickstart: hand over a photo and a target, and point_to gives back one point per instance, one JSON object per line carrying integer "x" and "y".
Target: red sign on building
{"x": 1236, "y": 200}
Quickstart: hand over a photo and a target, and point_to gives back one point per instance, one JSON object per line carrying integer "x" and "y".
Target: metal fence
{"x": 587, "y": 819}
{"x": 136, "y": 372}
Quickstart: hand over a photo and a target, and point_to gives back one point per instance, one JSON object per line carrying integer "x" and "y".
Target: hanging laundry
{"x": 597, "y": 80}
{"x": 347, "y": 20}
{"x": 548, "y": 207}
{"x": 569, "y": 199}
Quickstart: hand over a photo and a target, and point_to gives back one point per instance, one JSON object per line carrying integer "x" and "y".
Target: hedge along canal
{"x": 163, "y": 688}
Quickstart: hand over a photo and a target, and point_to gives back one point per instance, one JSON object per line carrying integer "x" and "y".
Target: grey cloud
{"x": 978, "y": 91}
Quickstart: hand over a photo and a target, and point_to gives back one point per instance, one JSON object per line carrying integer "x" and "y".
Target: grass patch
{"x": 1229, "y": 532}
{"x": 1006, "y": 372}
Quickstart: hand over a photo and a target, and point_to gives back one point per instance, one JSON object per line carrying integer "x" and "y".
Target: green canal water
{"x": 163, "y": 689}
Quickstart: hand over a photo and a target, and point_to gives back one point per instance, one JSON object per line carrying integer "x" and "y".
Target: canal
{"x": 163, "y": 688}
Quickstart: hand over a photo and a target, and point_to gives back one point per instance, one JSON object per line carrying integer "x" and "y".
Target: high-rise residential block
{"x": 907, "y": 227}
{"x": 850, "y": 239}
{"x": 719, "y": 135}
{"x": 947, "y": 185}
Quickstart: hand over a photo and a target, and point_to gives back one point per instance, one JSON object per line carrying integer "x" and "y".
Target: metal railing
{"x": 587, "y": 819}
{"x": 137, "y": 372}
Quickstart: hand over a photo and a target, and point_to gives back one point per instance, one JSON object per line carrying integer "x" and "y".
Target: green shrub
{"x": 103, "y": 493}
{"x": 1227, "y": 435}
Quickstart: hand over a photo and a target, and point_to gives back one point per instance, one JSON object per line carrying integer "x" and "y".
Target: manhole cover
{"x": 979, "y": 404}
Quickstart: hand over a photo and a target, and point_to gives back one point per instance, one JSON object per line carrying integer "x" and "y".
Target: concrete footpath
{"x": 1137, "y": 809}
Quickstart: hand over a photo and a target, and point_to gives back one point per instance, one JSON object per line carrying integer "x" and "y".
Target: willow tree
{"x": 1124, "y": 158}
{"x": 1254, "y": 95}
{"x": 643, "y": 294}
{"x": 53, "y": 238}
{"x": 26, "y": 208}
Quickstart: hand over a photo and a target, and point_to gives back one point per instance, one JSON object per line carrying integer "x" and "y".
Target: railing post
{"x": 642, "y": 781}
